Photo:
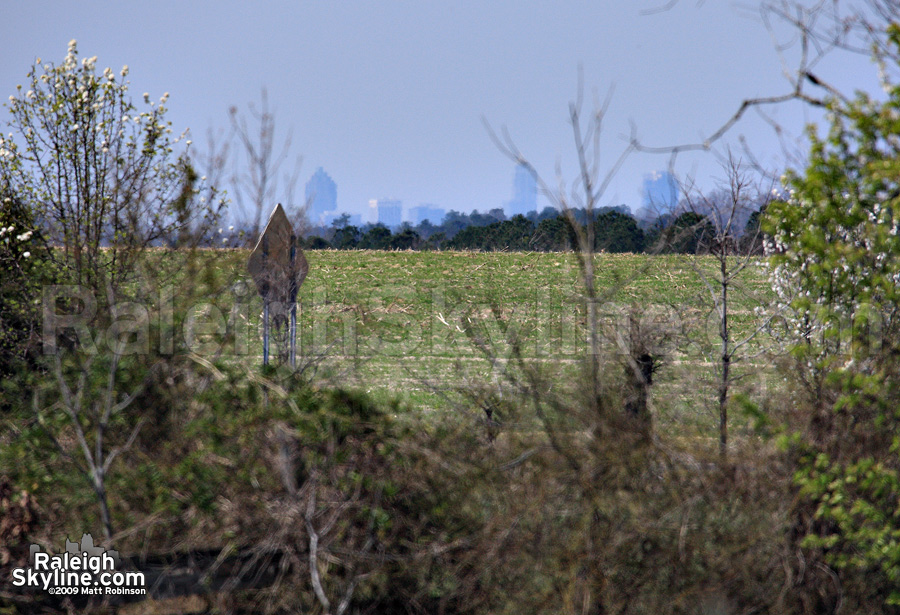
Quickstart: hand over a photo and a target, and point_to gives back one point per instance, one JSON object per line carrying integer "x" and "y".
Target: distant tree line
{"x": 615, "y": 231}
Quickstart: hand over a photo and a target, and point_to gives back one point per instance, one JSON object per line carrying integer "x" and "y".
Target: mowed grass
{"x": 421, "y": 326}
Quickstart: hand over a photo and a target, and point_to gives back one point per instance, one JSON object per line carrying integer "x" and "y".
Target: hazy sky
{"x": 388, "y": 97}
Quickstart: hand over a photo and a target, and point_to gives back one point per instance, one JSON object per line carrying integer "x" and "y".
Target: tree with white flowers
{"x": 20, "y": 279}
{"x": 89, "y": 179}
{"x": 97, "y": 170}
{"x": 836, "y": 268}
{"x": 835, "y": 242}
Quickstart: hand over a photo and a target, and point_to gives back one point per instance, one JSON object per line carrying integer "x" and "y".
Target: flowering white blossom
{"x": 98, "y": 116}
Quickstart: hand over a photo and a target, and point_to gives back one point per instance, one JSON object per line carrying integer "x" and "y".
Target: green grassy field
{"x": 420, "y": 326}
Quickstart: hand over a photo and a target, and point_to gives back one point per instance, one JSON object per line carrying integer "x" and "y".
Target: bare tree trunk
{"x": 97, "y": 462}
{"x": 724, "y": 334}
{"x": 105, "y": 517}
{"x": 723, "y": 212}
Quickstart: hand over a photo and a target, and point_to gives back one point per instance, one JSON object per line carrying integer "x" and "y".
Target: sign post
{"x": 278, "y": 267}
{"x": 294, "y": 286}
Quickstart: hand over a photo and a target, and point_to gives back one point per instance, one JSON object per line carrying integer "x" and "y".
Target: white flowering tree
{"x": 837, "y": 268}
{"x": 20, "y": 277}
{"x": 835, "y": 243}
{"x": 96, "y": 170}
{"x": 88, "y": 180}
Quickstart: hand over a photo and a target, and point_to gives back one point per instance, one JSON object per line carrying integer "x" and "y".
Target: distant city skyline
{"x": 659, "y": 192}
{"x": 391, "y": 98}
{"x": 322, "y": 207}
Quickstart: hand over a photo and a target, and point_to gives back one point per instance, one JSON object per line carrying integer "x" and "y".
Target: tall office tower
{"x": 524, "y": 192}
{"x": 660, "y": 193}
{"x": 389, "y": 212}
{"x": 425, "y": 211}
{"x": 321, "y": 194}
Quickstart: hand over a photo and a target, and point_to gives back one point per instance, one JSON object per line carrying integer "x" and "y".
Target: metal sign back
{"x": 277, "y": 263}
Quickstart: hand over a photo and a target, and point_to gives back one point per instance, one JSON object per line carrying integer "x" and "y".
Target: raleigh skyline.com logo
{"x": 80, "y": 570}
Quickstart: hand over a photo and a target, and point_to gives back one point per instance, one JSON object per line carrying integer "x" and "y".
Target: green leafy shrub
{"x": 836, "y": 268}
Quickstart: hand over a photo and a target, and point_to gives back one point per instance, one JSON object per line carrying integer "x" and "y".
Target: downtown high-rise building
{"x": 660, "y": 192}
{"x": 524, "y": 192}
{"x": 388, "y": 212}
{"x": 321, "y": 197}
{"x": 418, "y": 215}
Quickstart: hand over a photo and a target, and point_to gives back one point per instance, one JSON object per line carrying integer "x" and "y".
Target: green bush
{"x": 835, "y": 267}
{"x": 24, "y": 269}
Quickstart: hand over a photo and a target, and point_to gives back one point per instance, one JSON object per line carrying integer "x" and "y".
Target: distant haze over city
{"x": 659, "y": 194}
{"x": 393, "y": 100}
{"x": 323, "y": 205}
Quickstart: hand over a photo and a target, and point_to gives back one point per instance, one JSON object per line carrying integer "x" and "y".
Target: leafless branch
{"x": 258, "y": 186}
{"x": 314, "y": 576}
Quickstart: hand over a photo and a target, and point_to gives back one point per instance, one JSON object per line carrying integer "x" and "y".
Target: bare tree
{"x": 90, "y": 415}
{"x": 725, "y": 213}
{"x": 815, "y": 31}
{"x": 257, "y": 180}
{"x": 585, "y": 194}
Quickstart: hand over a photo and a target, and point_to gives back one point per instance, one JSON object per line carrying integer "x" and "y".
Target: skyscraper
{"x": 660, "y": 193}
{"x": 321, "y": 195}
{"x": 425, "y": 211}
{"x": 388, "y": 212}
{"x": 524, "y": 192}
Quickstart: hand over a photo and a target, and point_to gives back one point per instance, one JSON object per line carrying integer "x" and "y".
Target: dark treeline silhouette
{"x": 615, "y": 231}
